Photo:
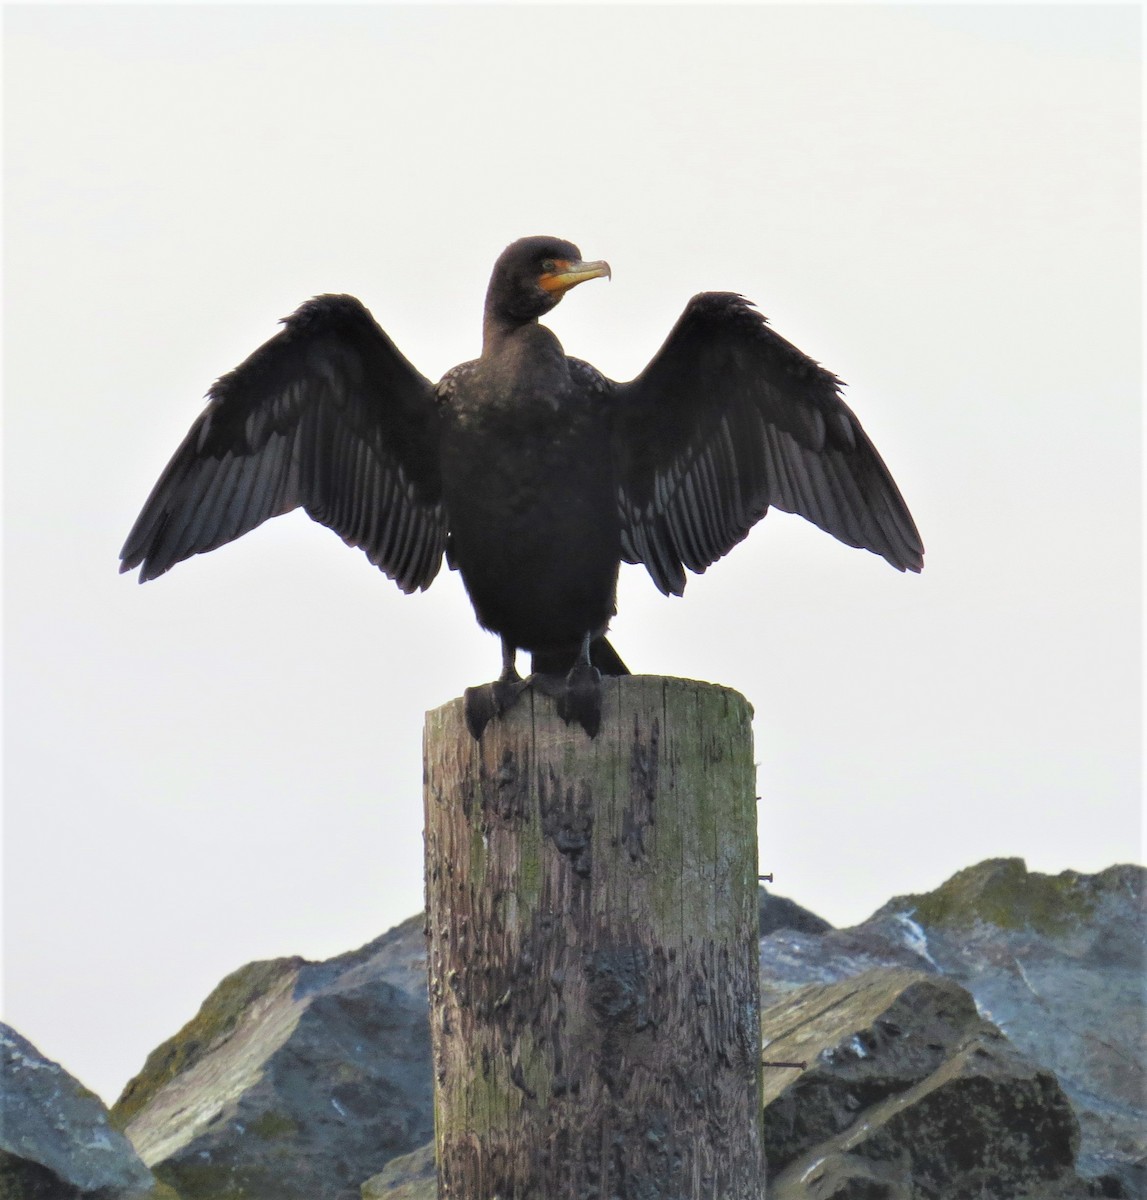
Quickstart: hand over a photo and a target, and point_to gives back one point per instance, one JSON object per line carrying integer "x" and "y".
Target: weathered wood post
{"x": 592, "y": 909}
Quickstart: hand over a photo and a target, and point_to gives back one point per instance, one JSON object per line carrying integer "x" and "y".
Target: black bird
{"x": 532, "y": 472}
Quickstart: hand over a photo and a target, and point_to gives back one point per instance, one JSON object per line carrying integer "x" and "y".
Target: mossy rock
{"x": 412, "y": 1176}
{"x": 272, "y": 1124}
{"x": 218, "y": 1016}
{"x": 211, "y": 1181}
{"x": 1004, "y": 893}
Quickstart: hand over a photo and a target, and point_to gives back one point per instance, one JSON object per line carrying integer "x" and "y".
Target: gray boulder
{"x": 987, "y": 1123}
{"x": 295, "y": 1081}
{"x": 56, "y": 1142}
{"x": 908, "y": 1093}
{"x": 791, "y": 959}
{"x": 862, "y": 1040}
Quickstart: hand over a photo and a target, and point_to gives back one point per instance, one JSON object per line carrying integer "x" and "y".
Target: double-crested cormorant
{"x": 534, "y": 474}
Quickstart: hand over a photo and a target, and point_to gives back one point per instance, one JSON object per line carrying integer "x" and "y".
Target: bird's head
{"x": 532, "y": 275}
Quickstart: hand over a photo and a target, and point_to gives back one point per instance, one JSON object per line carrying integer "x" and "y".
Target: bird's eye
{"x": 549, "y": 266}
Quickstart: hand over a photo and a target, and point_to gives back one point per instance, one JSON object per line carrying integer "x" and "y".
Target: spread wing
{"x": 327, "y": 416}
{"x": 729, "y": 419}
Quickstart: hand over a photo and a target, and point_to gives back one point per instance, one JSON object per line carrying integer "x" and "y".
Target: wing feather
{"x": 729, "y": 420}
{"x": 327, "y": 416}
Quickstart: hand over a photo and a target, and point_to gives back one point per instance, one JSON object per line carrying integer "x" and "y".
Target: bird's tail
{"x": 560, "y": 661}
{"x": 605, "y": 658}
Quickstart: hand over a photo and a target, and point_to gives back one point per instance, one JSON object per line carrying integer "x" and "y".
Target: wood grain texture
{"x": 592, "y": 910}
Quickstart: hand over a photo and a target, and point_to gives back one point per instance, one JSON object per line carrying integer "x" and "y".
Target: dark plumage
{"x": 531, "y": 471}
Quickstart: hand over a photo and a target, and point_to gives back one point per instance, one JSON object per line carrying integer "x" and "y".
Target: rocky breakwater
{"x": 984, "y": 1040}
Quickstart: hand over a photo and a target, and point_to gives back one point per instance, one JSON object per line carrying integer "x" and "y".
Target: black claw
{"x": 549, "y": 685}
{"x": 580, "y": 699}
{"x": 507, "y": 693}
{"x": 481, "y": 708}
{"x": 578, "y": 696}
{"x": 489, "y": 700}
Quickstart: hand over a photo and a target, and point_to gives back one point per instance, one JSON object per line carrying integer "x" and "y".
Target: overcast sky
{"x": 939, "y": 204}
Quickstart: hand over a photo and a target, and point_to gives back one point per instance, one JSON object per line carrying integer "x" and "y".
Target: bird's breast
{"x": 530, "y": 493}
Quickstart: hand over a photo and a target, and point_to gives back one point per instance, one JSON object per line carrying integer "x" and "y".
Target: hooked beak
{"x": 569, "y": 274}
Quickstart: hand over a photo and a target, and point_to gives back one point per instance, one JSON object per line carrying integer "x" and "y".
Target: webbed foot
{"x": 480, "y": 708}
{"x": 578, "y": 693}
{"x": 489, "y": 700}
{"x": 580, "y": 699}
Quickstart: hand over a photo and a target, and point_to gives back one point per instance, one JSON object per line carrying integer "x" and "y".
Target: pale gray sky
{"x": 940, "y": 204}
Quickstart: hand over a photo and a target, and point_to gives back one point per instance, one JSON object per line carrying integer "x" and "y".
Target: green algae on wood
{"x": 593, "y": 950}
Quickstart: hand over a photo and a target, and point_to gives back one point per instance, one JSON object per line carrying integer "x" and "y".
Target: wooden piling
{"x": 592, "y": 912}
